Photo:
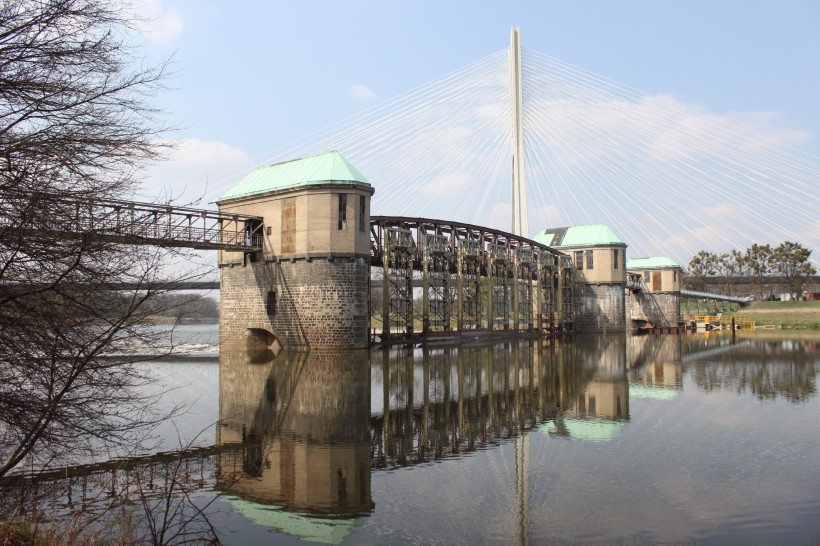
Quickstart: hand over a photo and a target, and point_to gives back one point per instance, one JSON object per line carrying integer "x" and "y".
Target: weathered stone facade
{"x": 306, "y": 303}
{"x": 600, "y": 308}
{"x": 662, "y": 310}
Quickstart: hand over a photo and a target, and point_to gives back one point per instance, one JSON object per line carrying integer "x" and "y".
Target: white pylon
{"x": 520, "y": 224}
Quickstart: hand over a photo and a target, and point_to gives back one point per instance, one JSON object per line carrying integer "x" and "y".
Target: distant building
{"x": 600, "y": 259}
{"x": 658, "y": 302}
{"x": 660, "y": 274}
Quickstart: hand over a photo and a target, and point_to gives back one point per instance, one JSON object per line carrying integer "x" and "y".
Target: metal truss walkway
{"x": 131, "y": 222}
{"x": 715, "y": 297}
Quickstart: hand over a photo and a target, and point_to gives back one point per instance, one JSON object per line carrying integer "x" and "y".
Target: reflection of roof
{"x": 305, "y": 527}
{"x": 329, "y": 168}
{"x": 656, "y": 262}
{"x": 591, "y": 430}
{"x": 575, "y": 236}
{"x": 653, "y": 392}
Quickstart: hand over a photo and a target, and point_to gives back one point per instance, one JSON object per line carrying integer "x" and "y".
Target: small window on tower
{"x": 615, "y": 258}
{"x": 270, "y": 303}
{"x": 342, "y": 211}
{"x": 589, "y": 259}
{"x": 361, "y": 212}
{"x": 579, "y": 259}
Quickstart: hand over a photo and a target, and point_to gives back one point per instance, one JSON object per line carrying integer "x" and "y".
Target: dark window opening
{"x": 674, "y": 275}
{"x": 646, "y": 276}
{"x": 579, "y": 259}
{"x": 270, "y": 303}
{"x": 361, "y": 213}
{"x": 615, "y": 258}
{"x": 342, "y": 211}
{"x": 268, "y": 232}
{"x": 589, "y": 259}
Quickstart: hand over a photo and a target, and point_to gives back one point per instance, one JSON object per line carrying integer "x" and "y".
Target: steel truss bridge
{"x": 130, "y": 222}
{"x": 472, "y": 278}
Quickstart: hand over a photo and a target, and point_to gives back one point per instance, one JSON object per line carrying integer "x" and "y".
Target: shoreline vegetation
{"x": 785, "y": 315}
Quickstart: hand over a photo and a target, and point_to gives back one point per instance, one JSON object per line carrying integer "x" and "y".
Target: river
{"x": 594, "y": 439}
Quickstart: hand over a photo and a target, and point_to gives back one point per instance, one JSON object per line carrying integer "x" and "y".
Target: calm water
{"x": 599, "y": 439}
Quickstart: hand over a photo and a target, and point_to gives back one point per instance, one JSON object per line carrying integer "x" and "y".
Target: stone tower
{"x": 309, "y": 287}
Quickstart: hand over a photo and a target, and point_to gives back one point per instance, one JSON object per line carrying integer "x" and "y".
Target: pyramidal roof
{"x": 576, "y": 236}
{"x": 655, "y": 262}
{"x": 328, "y": 168}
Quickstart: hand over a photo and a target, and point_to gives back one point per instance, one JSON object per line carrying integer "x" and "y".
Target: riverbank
{"x": 787, "y": 315}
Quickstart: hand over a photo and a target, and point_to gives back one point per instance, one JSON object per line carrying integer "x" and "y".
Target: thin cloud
{"x": 160, "y": 23}
{"x": 362, "y": 92}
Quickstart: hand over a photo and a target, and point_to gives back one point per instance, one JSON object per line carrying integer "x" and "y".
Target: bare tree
{"x": 75, "y": 121}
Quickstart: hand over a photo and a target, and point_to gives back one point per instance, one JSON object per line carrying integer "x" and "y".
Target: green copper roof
{"x": 305, "y": 527}
{"x": 576, "y": 236}
{"x": 656, "y": 262}
{"x": 329, "y": 168}
{"x": 590, "y": 430}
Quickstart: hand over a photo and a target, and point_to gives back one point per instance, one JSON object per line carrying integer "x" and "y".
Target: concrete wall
{"x": 599, "y": 308}
{"x": 661, "y": 310}
{"x": 319, "y": 303}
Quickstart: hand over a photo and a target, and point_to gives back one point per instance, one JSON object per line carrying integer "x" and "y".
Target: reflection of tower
{"x": 301, "y": 429}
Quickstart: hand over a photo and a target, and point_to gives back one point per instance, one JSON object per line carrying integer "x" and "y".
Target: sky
{"x": 253, "y": 76}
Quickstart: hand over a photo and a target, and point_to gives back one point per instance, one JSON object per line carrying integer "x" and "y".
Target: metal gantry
{"x": 130, "y": 222}
{"x": 467, "y": 277}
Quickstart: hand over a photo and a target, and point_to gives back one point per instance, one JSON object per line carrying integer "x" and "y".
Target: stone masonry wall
{"x": 600, "y": 308}
{"x": 661, "y": 310}
{"x": 319, "y": 303}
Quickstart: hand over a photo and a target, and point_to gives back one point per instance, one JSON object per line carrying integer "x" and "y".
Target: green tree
{"x": 728, "y": 266}
{"x": 703, "y": 264}
{"x": 759, "y": 263}
{"x": 792, "y": 261}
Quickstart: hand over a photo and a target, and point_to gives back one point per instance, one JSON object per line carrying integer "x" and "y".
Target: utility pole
{"x": 519, "y": 188}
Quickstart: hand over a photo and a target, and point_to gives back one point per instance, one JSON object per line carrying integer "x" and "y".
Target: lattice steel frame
{"x": 523, "y": 280}
{"x": 546, "y": 289}
{"x": 469, "y": 264}
{"x": 435, "y": 264}
{"x": 568, "y": 287}
{"x": 398, "y": 274}
{"x": 498, "y": 270}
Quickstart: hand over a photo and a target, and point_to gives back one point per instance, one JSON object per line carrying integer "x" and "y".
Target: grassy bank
{"x": 792, "y": 315}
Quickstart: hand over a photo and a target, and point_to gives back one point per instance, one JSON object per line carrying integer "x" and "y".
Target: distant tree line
{"x": 789, "y": 261}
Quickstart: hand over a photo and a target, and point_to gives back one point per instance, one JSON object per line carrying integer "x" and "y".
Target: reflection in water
{"x": 298, "y": 426}
{"x": 445, "y": 402}
{"x": 769, "y": 369}
{"x": 304, "y": 440}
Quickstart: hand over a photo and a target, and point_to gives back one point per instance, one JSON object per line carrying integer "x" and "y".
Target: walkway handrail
{"x": 708, "y": 296}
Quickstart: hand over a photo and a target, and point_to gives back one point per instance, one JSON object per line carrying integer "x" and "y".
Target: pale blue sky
{"x": 253, "y": 76}
{"x": 256, "y": 74}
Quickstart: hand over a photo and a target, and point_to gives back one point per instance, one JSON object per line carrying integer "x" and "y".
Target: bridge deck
{"x": 131, "y": 222}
